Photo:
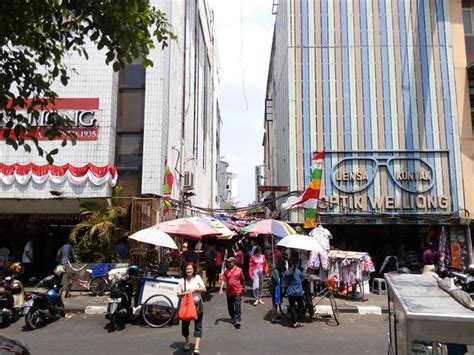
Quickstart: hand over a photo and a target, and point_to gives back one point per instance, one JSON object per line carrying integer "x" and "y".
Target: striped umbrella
{"x": 278, "y": 229}
{"x": 226, "y": 233}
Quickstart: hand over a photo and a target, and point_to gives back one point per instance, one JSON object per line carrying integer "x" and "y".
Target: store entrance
{"x": 404, "y": 241}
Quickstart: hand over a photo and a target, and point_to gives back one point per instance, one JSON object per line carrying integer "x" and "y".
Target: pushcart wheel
{"x": 335, "y": 311}
{"x": 98, "y": 285}
{"x": 157, "y": 311}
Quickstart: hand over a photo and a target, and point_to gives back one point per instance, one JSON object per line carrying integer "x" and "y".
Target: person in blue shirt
{"x": 294, "y": 278}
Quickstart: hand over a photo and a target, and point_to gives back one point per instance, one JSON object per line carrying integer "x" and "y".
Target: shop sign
{"x": 264, "y": 188}
{"x": 353, "y": 177}
{"x": 80, "y": 111}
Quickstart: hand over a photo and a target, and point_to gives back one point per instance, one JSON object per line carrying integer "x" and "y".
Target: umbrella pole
{"x": 273, "y": 251}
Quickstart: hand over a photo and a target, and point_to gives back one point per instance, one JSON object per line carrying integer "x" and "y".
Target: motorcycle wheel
{"x": 33, "y": 318}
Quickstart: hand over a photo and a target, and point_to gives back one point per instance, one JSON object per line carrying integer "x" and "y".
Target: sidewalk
{"x": 85, "y": 302}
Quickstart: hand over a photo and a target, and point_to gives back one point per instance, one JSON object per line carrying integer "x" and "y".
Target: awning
{"x": 46, "y": 217}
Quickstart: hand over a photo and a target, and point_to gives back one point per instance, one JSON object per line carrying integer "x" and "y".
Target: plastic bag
{"x": 278, "y": 292}
{"x": 187, "y": 310}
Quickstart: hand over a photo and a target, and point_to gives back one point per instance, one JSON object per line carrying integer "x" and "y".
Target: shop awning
{"x": 46, "y": 217}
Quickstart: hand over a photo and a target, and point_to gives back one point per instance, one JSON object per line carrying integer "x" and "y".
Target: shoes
{"x": 186, "y": 347}
{"x": 237, "y": 325}
{"x": 196, "y": 351}
{"x": 299, "y": 325}
{"x": 275, "y": 321}
{"x": 255, "y": 303}
{"x": 260, "y": 301}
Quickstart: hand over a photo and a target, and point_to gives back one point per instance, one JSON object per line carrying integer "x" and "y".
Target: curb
{"x": 362, "y": 310}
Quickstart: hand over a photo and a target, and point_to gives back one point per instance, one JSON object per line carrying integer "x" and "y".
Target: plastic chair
{"x": 379, "y": 286}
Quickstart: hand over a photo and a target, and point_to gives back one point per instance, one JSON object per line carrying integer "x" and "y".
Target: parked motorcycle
{"x": 41, "y": 308}
{"x": 13, "y": 298}
{"x": 464, "y": 280}
{"x": 119, "y": 307}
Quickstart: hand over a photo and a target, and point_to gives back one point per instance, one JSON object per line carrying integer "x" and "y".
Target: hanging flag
{"x": 310, "y": 196}
{"x": 168, "y": 181}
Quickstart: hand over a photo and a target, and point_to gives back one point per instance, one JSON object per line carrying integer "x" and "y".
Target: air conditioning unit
{"x": 188, "y": 180}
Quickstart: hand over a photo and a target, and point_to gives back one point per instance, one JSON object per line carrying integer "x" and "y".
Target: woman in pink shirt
{"x": 257, "y": 269}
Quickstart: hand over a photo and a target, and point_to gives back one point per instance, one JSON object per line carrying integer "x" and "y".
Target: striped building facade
{"x": 374, "y": 84}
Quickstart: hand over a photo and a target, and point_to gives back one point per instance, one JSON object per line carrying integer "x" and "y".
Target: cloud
{"x": 244, "y": 32}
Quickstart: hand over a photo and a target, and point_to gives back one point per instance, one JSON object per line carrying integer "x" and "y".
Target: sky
{"x": 244, "y": 30}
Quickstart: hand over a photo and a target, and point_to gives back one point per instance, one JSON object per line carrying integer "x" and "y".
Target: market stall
{"x": 350, "y": 270}
{"x": 424, "y": 319}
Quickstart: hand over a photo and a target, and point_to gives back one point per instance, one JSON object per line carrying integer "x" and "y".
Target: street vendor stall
{"x": 350, "y": 270}
{"x": 424, "y": 319}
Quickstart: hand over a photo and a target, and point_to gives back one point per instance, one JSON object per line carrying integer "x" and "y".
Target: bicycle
{"x": 97, "y": 282}
{"x": 312, "y": 300}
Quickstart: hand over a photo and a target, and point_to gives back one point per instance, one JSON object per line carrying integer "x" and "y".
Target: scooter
{"x": 41, "y": 308}
{"x": 119, "y": 308}
{"x": 13, "y": 298}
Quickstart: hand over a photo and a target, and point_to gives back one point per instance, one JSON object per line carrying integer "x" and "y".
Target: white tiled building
{"x": 168, "y": 112}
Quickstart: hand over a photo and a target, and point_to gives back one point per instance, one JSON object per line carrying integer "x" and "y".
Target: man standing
{"x": 234, "y": 281}
{"x": 27, "y": 260}
{"x": 65, "y": 253}
{"x": 210, "y": 256}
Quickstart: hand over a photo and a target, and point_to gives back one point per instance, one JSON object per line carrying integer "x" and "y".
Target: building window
{"x": 129, "y": 151}
{"x": 467, "y": 20}
{"x": 268, "y": 109}
{"x": 131, "y": 110}
{"x": 132, "y": 77}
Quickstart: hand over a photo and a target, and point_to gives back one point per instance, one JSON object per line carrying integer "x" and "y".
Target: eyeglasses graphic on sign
{"x": 413, "y": 175}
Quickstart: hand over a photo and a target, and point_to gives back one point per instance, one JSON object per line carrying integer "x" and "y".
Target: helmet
{"x": 16, "y": 268}
{"x": 133, "y": 270}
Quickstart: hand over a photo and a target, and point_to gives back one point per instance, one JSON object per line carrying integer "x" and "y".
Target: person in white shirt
{"x": 194, "y": 284}
{"x": 27, "y": 259}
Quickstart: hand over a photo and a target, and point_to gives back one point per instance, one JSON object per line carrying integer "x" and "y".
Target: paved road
{"x": 86, "y": 334}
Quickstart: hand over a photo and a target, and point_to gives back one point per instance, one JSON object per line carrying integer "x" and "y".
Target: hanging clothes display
{"x": 350, "y": 266}
{"x": 320, "y": 260}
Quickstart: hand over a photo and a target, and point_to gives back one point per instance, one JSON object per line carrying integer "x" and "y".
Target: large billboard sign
{"x": 400, "y": 182}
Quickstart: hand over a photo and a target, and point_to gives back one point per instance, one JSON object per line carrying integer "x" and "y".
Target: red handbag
{"x": 187, "y": 310}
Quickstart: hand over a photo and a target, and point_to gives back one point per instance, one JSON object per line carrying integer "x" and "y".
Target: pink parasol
{"x": 187, "y": 228}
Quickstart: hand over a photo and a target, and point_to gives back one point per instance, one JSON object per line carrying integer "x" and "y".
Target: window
{"x": 132, "y": 77}
{"x": 268, "y": 109}
{"x": 129, "y": 151}
{"x": 467, "y": 20}
{"x": 131, "y": 112}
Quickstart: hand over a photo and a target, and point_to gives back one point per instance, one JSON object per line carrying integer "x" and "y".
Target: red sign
{"x": 272, "y": 188}
{"x": 82, "y": 133}
{"x": 66, "y": 104}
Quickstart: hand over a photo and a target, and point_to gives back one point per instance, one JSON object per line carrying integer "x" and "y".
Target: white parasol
{"x": 300, "y": 241}
{"x": 155, "y": 237}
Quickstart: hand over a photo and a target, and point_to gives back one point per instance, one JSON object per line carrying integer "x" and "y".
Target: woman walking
{"x": 192, "y": 283}
{"x": 257, "y": 269}
{"x": 294, "y": 277}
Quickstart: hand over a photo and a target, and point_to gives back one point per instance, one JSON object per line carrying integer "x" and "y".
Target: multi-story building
{"x": 227, "y": 186}
{"x": 382, "y": 88}
{"x": 130, "y": 125}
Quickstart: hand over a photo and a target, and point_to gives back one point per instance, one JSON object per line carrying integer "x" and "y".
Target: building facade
{"x": 381, "y": 87}
{"x": 130, "y": 126}
{"x": 228, "y": 186}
